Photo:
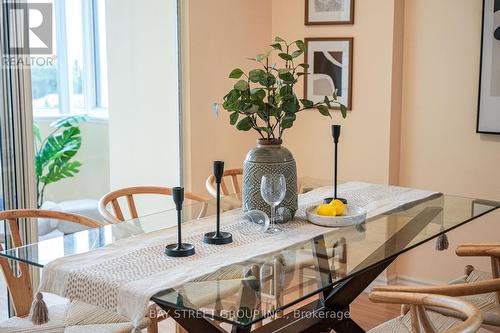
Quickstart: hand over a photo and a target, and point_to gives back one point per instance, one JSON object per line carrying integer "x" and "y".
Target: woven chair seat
{"x": 74, "y": 317}
{"x": 487, "y": 303}
{"x": 402, "y": 324}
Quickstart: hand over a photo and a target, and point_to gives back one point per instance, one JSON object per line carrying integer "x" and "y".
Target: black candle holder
{"x": 218, "y": 237}
{"x": 336, "y": 136}
{"x": 179, "y": 249}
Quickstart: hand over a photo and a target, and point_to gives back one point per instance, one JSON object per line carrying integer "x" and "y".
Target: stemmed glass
{"x": 273, "y": 190}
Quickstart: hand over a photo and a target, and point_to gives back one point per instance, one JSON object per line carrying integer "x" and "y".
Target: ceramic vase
{"x": 269, "y": 157}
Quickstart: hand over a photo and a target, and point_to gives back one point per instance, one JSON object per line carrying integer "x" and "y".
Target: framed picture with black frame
{"x": 329, "y": 12}
{"x": 330, "y": 63}
{"x": 488, "y": 114}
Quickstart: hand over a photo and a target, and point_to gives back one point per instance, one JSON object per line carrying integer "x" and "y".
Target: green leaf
{"x": 289, "y": 107}
{"x": 301, "y": 45}
{"x": 236, "y": 73}
{"x": 285, "y": 56}
{"x": 256, "y": 75}
{"x": 36, "y": 132}
{"x": 244, "y": 124}
{"x": 241, "y": 85}
{"x": 233, "y": 118}
{"x": 307, "y": 103}
{"x": 288, "y": 120}
{"x": 284, "y": 70}
{"x": 268, "y": 80}
{"x": 287, "y": 77}
{"x": 263, "y": 56}
{"x": 252, "y": 109}
{"x": 343, "y": 110}
{"x": 62, "y": 146}
{"x": 262, "y": 114}
{"x": 277, "y": 46}
{"x": 304, "y": 65}
{"x": 58, "y": 172}
{"x": 279, "y": 39}
{"x": 327, "y": 102}
{"x": 232, "y": 96}
{"x": 68, "y": 121}
{"x": 297, "y": 53}
{"x": 324, "y": 111}
{"x": 257, "y": 94}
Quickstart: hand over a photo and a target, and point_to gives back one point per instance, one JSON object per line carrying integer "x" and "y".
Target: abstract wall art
{"x": 488, "y": 119}
{"x": 330, "y": 69}
{"x": 329, "y": 12}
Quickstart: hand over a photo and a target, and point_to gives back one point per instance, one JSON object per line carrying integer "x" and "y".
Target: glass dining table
{"x": 307, "y": 287}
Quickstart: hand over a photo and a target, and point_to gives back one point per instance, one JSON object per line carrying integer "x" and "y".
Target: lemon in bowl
{"x": 326, "y": 210}
{"x": 339, "y": 207}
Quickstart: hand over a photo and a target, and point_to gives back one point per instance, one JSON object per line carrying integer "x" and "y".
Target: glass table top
{"x": 273, "y": 282}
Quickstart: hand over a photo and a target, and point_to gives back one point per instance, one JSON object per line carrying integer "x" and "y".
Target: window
{"x": 76, "y": 82}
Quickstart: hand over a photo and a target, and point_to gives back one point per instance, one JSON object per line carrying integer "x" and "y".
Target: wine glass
{"x": 273, "y": 190}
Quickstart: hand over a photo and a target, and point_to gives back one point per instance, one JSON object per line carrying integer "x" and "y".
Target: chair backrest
{"x": 130, "y": 192}
{"x": 419, "y": 317}
{"x": 484, "y": 250}
{"x": 18, "y": 280}
{"x": 233, "y": 175}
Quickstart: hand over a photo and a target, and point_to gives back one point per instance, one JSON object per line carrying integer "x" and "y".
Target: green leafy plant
{"x": 54, "y": 154}
{"x": 264, "y": 99}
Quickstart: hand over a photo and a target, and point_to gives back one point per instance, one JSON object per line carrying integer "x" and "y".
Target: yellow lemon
{"x": 339, "y": 206}
{"x": 326, "y": 210}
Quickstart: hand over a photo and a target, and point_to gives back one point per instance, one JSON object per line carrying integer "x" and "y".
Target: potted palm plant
{"x": 264, "y": 100}
{"x": 54, "y": 155}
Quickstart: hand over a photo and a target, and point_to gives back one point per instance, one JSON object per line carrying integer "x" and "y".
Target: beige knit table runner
{"x": 124, "y": 275}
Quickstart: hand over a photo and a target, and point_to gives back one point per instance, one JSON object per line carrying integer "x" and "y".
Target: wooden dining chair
{"x": 232, "y": 175}
{"x": 420, "y": 320}
{"x": 19, "y": 284}
{"x": 425, "y": 311}
{"x": 489, "y": 304}
{"x": 111, "y": 199}
{"x": 231, "y": 197}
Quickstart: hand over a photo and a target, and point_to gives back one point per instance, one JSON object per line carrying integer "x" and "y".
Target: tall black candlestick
{"x": 179, "y": 249}
{"x": 336, "y": 136}
{"x": 218, "y": 237}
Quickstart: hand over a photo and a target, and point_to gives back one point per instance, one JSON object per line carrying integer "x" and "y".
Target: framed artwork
{"x": 329, "y": 12}
{"x": 330, "y": 69}
{"x": 488, "y": 117}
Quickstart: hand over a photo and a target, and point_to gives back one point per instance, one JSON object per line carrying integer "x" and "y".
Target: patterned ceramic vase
{"x": 269, "y": 157}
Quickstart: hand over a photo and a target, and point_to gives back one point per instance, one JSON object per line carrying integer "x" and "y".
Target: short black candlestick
{"x": 218, "y": 237}
{"x": 336, "y": 136}
{"x": 179, "y": 249}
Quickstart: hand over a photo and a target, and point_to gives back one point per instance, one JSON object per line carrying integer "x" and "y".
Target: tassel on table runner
{"x": 442, "y": 242}
{"x": 39, "y": 314}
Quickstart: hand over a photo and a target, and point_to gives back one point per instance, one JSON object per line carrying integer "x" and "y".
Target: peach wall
{"x": 440, "y": 149}
{"x": 366, "y": 131}
{"x": 220, "y": 36}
